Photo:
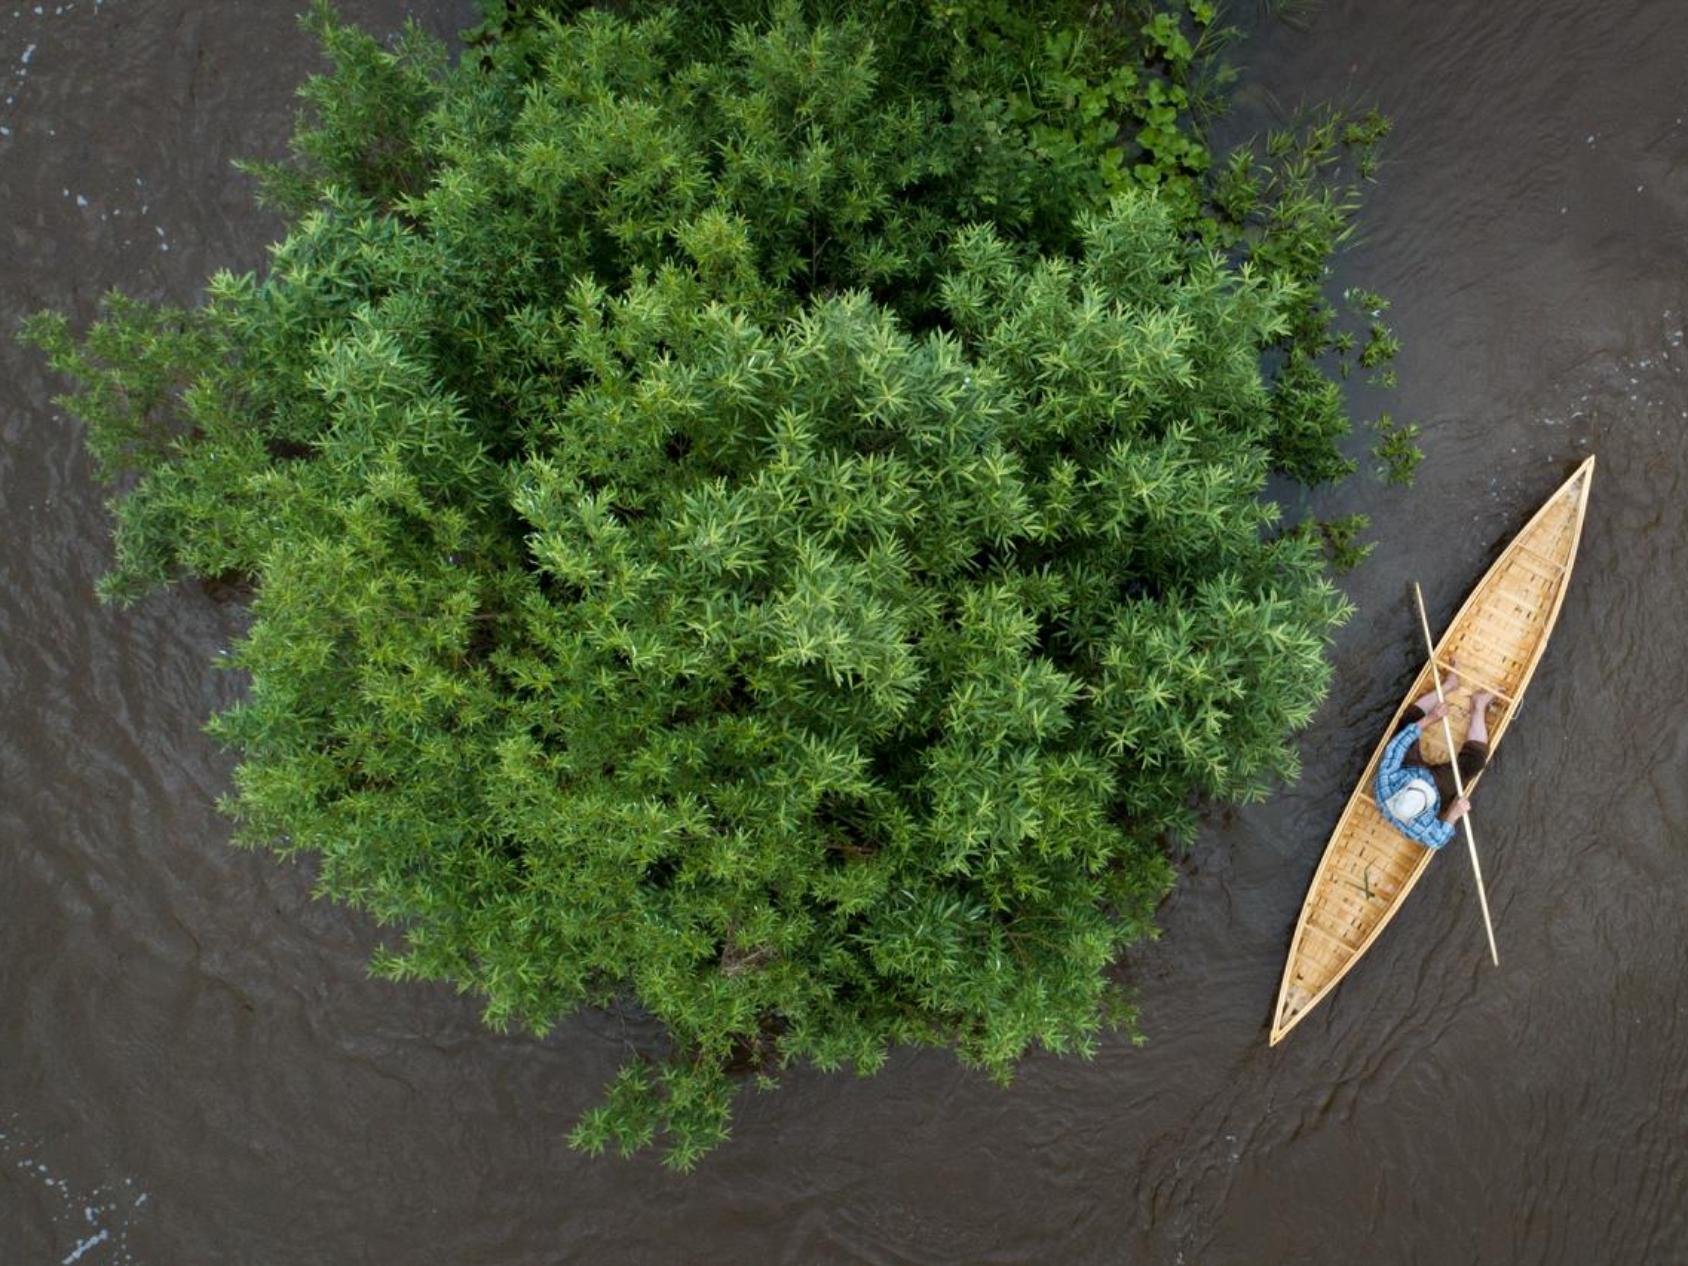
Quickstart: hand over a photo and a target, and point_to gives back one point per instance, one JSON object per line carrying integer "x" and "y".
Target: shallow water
{"x": 194, "y": 1068}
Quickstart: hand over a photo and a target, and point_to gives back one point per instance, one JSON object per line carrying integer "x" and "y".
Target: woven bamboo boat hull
{"x": 1497, "y": 639}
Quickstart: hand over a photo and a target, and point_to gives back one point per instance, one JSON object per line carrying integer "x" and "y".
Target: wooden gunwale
{"x": 1338, "y": 843}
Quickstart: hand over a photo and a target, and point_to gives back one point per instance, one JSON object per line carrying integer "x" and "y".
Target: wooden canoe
{"x": 1497, "y": 638}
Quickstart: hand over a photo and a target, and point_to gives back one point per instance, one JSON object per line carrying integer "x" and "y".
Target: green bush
{"x": 746, "y": 520}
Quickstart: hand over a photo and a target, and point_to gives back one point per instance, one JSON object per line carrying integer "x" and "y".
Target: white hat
{"x": 1414, "y": 797}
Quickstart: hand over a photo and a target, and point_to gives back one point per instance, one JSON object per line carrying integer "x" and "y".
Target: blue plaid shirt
{"x": 1427, "y": 828}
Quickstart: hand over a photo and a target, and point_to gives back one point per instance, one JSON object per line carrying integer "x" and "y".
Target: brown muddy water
{"x": 194, "y": 1068}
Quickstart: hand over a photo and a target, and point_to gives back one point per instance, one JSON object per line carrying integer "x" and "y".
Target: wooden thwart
{"x": 1470, "y": 679}
{"x": 1541, "y": 558}
{"x": 1330, "y": 939}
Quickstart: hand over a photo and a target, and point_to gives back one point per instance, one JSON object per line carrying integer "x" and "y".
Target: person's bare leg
{"x": 1478, "y": 732}
{"x": 1433, "y": 708}
{"x": 1429, "y": 704}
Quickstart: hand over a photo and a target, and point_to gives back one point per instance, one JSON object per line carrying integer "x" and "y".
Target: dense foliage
{"x": 755, "y": 514}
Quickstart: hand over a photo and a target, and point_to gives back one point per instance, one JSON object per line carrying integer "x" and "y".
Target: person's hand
{"x": 1457, "y": 810}
{"x": 1438, "y": 710}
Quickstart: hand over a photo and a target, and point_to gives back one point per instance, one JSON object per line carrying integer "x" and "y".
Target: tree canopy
{"x": 754, "y": 516}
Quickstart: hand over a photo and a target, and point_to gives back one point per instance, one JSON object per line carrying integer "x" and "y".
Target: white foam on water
{"x": 87, "y": 1244}
{"x": 97, "y": 1218}
{"x": 21, "y": 74}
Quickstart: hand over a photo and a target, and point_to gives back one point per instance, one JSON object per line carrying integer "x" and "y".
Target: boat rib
{"x": 1497, "y": 639}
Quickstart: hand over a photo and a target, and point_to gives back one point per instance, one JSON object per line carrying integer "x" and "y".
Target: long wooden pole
{"x": 1459, "y": 783}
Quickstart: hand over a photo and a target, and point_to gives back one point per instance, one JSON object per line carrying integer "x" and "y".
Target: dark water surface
{"x": 194, "y": 1068}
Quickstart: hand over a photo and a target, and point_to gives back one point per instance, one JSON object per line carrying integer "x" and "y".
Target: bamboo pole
{"x": 1459, "y": 783}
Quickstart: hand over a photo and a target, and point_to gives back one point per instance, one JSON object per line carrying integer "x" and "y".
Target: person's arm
{"x": 1437, "y": 832}
{"x": 1434, "y": 831}
{"x": 1428, "y": 829}
{"x": 1396, "y": 753}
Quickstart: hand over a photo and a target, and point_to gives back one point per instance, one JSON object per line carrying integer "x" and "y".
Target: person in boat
{"x": 1410, "y": 790}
